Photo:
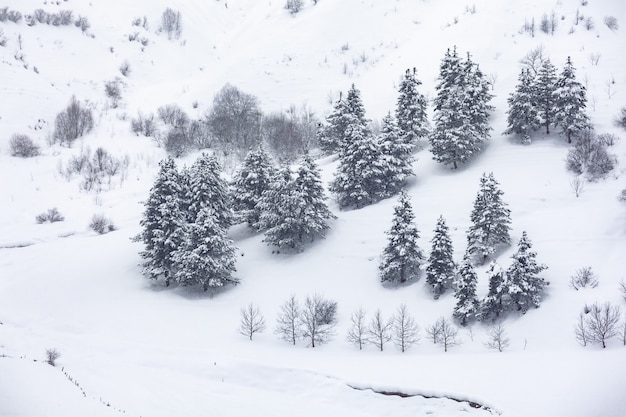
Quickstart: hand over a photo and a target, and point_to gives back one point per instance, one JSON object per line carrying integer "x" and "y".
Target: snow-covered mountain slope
{"x": 150, "y": 351}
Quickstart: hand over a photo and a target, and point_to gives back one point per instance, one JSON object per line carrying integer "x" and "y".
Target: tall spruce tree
{"x": 440, "y": 269}
{"x": 490, "y": 218}
{"x": 525, "y": 285}
{"x": 411, "y": 109}
{"x": 207, "y": 256}
{"x": 207, "y": 189}
{"x": 570, "y": 103}
{"x": 163, "y": 222}
{"x": 493, "y": 305}
{"x": 250, "y": 181}
{"x": 397, "y": 154}
{"x": 466, "y": 306}
{"x": 402, "y": 257}
{"x": 523, "y": 114}
{"x": 545, "y": 86}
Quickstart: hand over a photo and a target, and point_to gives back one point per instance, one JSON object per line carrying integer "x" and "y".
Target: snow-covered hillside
{"x": 130, "y": 346}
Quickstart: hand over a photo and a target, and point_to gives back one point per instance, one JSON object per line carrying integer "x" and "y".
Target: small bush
{"x": 589, "y": 23}
{"x": 83, "y": 23}
{"x": 620, "y": 120}
{"x": 51, "y": 216}
{"x": 65, "y": 17}
{"x": 125, "y": 69}
{"x": 143, "y": 125}
{"x": 173, "y": 115}
{"x": 294, "y": 6}
{"x": 611, "y": 22}
{"x": 171, "y": 23}
{"x": 72, "y": 123}
{"x": 40, "y": 15}
{"x": 3, "y": 14}
{"x": 177, "y": 142}
{"x": 101, "y": 224}
{"x": 52, "y": 355}
{"x": 3, "y": 39}
{"x": 14, "y": 16}
{"x": 607, "y": 139}
{"x": 584, "y": 277}
{"x": 590, "y": 156}
{"x": 113, "y": 90}
{"x": 23, "y": 146}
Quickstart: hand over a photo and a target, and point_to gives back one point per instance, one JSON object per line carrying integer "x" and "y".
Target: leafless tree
{"x": 318, "y": 318}
{"x": 622, "y": 284}
{"x": 603, "y": 322}
{"x": 584, "y": 277}
{"x": 405, "y": 330}
{"x": 534, "y": 59}
{"x": 581, "y": 331}
{"x": 498, "y": 338}
{"x": 287, "y": 322}
{"x": 171, "y": 23}
{"x": 252, "y": 321}
{"x": 357, "y": 334}
{"x": 72, "y": 123}
{"x": 379, "y": 330}
{"x": 443, "y": 333}
{"x": 577, "y": 184}
{"x": 52, "y": 355}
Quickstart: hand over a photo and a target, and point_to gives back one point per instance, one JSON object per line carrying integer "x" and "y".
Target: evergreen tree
{"x": 545, "y": 87}
{"x": 440, "y": 270}
{"x": 207, "y": 256}
{"x": 250, "y": 181}
{"x": 490, "y": 218}
{"x": 360, "y": 179}
{"x": 163, "y": 222}
{"x": 397, "y": 156}
{"x": 348, "y": 113}
{"x": 493, "y": 305}
{"x": 461, "y": 111}
{"x": 525, "y": 286}
{"x": 411, "y": 109}
{"x": 272, "y": 199}
{"x": 402, "y": 256}
{"x": 207, "y": 189}
{"x": 570, "y": 102}
{"x": 467, "y": 305}
{"x": 523, "y": 114}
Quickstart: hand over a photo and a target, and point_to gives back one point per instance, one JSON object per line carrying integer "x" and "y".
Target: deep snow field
{"x": 131, "y": 347}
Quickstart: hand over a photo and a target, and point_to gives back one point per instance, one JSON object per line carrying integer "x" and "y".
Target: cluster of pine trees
{"x": 543, "y": 99}
{"x": 518, "y": 288}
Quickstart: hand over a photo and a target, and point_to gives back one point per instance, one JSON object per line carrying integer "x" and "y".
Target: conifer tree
{"x": 402, "y": 256}
{"x": 250, "y": 181}
{"x": 272, "y": 201}
{"x": 397, "y": 155}
{"x": 493, "y": 305}
{"x": 207, "y": 256}
{"x": 440, "y": 269}
{"x": 467, "y": 305}
{"x": 490, "y": 220}
{"x": 207, "y": 189}
{"x": 163, "y": 222}
{"x": 360, "y": 178}
{"x": 570, "y": 102}
{"x": 411, "y": 109}
{"x": 545, "y": 87}
{"x": 525, "y": 285}
{"x": 523, "y": 114}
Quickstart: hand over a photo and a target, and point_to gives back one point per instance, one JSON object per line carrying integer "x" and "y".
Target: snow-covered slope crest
{"x": 145, "y": 350}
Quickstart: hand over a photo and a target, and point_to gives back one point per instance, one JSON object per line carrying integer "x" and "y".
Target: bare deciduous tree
{"x": 443, "y": 333}
{"x": 498, "y": 338}
{"x": 405, "y": 330}
{"x": 52, "y": 355}
{"x": 72, "y": 123}
{"x": 252, "y": 321}
{"x": 379, "y": 330}
{"x": 318, "y": 318}
{"x": 602, "y": 322}
{"x": 582, "y": 334}
{"x": 287, "y": 322}
{"x": 357, "y": 334}
{"x": 171, "y": 23}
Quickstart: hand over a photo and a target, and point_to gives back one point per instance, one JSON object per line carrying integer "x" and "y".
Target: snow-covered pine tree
{"x": 402, "y": 256}
{"x": 411, "y": 109}
{"x": 523, "y": 114}
{"x": 163, "y": 222}
{"x": 493, "y": 305}
{"x": 207, "y": 256}
{"x": 250, "y": 181}
{"x": 525, "y": 286}
{"x": 465, "y": 292}
{"x": 440, "y": 269}
{"x": 490, "y": 218}
{"x": 271, "y": 200}
{"x": 336, "y": 134}
{"x": 545, "y": 85}
{"x": 208, "y": 189}
{"x": 397, "y": 154}
{"x": 570, "y": 102}
{"x": 360, "y": 178}
{"x": 477, "y": 97}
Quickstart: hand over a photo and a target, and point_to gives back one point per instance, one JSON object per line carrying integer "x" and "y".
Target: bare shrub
{"x": 622, "y": 288}
{"x": 66, "y": 17}
{"x": 577, "y": 184}
{"x": 72, "y": 123}
{"x": 534, "y": 59}
{"x": 288, "y": 321}
{"x": 380, "y": 330}
{"x": 611, "y": 22}
{"x": 113, "y": 90}
{"x": 602, "y": 323}
{"x": 294, "y": 6}
{"x": 590, "y": 156}
{"x": 23, "y": 146}
{"x": 143, "y": 125}
{"x": 101, "y": 224}
{"x": 498, "y": 338}
{"x": 357, "y": 334}
{"x": 405, "y": 330}
{"x": 284, "y": 136}
{"x": 83, "y": 23}
{"x": 173, "y": 115}
{"x": 620, "y": 119}
{"x": 3, "y": 39}
{"x": 50, "y": 216}
{"x": 125, "y": 69}
{"x": 171, "y": 23}
{"x": 544, "y": 24}
{"x": 252, "y": 321}
{"x": 52, "y": 355}
{"x": 607, "y": 139}
{"x": 318, "y": 318}
{"x": 589, "y": 25}
{"x": 443, "y": 333}
{"x": 40, "y": 15}
{"x": 14, "y": 16}
{"x": 580, "y": 329}
{"x": 177, "y": 143}
{"x": 584, "y": 277}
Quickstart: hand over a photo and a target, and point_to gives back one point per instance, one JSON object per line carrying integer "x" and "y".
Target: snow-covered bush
{"x": 173, "y": 115}
{"x": 72, "y": 123}
{"x": 143, "y": 125}
{"x": 294, "y": 6}
{"x": 113, "y": 90}
{"x": 101, "y": 224}
{"x": 125, "y": 69}
{"x": 83, "y": 23}
{"x": 51, "y": 216}
{"x": 611, "y": 22}
{"x": 171, "y": 23}
{"x": 584, "y": 277}
{"x": 590, "y": 156}
{"x": 620, "y": 120}
{"x": 23, "y": 146}
{"x": 52, "y": 355}
{"x": 599, "y": 324}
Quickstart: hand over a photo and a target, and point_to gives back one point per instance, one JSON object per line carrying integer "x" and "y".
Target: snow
{"x": 150, "y": 351}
